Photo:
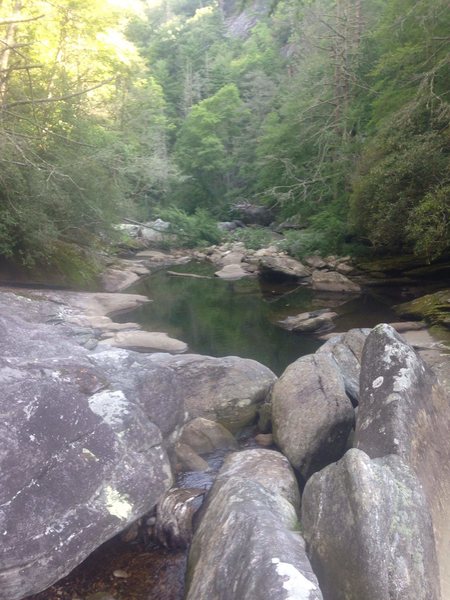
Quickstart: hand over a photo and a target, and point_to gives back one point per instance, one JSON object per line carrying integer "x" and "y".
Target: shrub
{"x": 197, "y": 229}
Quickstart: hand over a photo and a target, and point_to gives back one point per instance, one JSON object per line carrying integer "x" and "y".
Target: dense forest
{"x": 332, "y": 113}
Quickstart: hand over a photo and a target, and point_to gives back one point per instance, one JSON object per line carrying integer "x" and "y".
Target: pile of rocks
{"x": 235, "y": 261}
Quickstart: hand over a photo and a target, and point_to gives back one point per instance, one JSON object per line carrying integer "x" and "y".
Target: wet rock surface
{"x": 247, "y": 545}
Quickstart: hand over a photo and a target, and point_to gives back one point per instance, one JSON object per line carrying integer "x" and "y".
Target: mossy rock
{"x": 392, "y": 265}
{"x": 434, "y": 308}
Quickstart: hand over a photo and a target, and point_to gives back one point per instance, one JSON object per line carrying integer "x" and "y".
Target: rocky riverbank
{"x": 93, "y": 436}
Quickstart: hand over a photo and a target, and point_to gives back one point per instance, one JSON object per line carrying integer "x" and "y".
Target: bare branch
{"x": 59, "y": 98}
{"x": 17, "y": 21}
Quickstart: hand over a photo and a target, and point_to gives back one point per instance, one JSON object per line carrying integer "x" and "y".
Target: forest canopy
{"x": 333, "y": 113}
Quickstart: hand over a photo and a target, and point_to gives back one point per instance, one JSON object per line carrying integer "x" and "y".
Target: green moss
{"x": 434, "y": 308}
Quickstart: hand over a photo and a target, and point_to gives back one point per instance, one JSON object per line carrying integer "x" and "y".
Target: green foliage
{"x": 428, "y": 226}
{"x": 197, "y": 229}
{"x": 253, "y": 238}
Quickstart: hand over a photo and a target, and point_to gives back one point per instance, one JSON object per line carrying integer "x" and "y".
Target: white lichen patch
{"x": 376, "y": 383}
{"x": 111, "y": 406}
{"x": 89, "y": 455}
{"x": 117, "y": 504}
{"x": 295, "y": 583}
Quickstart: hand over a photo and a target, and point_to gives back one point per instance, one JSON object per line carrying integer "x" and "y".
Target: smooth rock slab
{"x": 311, "y": 413}
{"x": 232, "y": 272}
{"x": 368, "y": 530}
{"x": 145, "y": 341}
{"x": 247, "y": 545}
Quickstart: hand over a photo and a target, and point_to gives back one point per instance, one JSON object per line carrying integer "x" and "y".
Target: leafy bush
{"x": 428, "y": 227}
{"x": 197, "y": 229}
{"x": 254, "y": 238}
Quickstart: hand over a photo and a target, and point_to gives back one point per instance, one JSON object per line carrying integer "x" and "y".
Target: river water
{"x": 223, "y": 318}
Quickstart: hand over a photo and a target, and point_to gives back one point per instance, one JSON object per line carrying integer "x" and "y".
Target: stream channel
{"x": 216, "y": 318}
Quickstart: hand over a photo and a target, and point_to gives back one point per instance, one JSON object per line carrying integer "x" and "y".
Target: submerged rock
{"x": 309, "y": 322}
{"x": 247, "y": 544}
{"x": 311, "y": 414}
{"x": 369, "y": 532}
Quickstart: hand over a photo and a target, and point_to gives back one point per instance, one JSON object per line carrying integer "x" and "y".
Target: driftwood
{"x": 193, "y": 275}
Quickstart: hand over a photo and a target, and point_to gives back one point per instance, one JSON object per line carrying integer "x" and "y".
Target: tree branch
{"x": 14, "y": 21}
{"x": 59, "y": 98}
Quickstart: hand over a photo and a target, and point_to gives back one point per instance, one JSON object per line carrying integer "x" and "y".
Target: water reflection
{"x": 221, "y": 318}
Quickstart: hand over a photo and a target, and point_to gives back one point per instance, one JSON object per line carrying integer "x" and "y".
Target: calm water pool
{"x": 220, "y": 318}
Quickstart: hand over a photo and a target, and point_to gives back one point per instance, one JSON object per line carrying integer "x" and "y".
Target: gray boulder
{"x": 331, "y": 281}
{"x": 247, "y": 544}
{"x": 311, "y": 414}
{"x": 368, "y": 531}
{"x": 282, "y": 267}
{"x": 205, "y": 436}
{"x": 79, "y": 462}
{"x": 83, "y": 434}
{"x": 346, "y": 349}
{"x": 405, "y": 411}
{"x": 228, "y": 390}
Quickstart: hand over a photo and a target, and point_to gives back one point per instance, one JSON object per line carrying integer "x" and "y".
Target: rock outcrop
{"x": 282, "y": 267}
{"x": 368, "y": 531}
{"x": 404, "y": 411}
{"x": 311, "y": 413}
{"x": 247, "y": 544}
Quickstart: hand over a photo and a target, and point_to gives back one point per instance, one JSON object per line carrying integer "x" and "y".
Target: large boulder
{"x": 368, "y": 531}
{"x": 247, "y": 544}
{"x": 282, "y": 267}
{"x": 331, "y": 281}
{"x": 79, "y": 462}
{"x": 346, "y": 349}
{"x": 228, "y": 390}
{"x": 311, "y": 413}
{"x": 404, "y": 411}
